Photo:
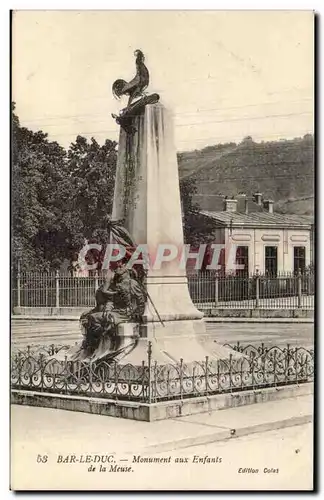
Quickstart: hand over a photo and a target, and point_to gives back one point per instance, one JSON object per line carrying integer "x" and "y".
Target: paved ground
{"x": 57, "y": 434}
{"x": 288, "y": 452}
{"x": 27, "y": 332}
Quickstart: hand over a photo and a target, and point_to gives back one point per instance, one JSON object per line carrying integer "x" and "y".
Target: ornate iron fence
{"x": 208, "y": 290}
{"x": 44, "y": 369}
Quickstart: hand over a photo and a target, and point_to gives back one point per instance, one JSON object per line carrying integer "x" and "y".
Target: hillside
{"x": 282, "y": 170}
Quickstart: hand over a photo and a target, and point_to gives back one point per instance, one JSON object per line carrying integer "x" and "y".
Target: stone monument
{"x": 143, "y": 355}
{"x": 147, "y": 200}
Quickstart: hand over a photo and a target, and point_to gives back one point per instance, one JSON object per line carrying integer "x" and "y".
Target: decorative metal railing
{"x": 46, "y": 369}
{"x": 209, "y": 290}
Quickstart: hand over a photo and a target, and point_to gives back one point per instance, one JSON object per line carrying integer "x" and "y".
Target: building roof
{"x": 215, "y": 203}
{"x": 260, "y": 219}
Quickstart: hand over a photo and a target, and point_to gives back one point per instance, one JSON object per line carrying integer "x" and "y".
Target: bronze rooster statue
{"x": 137, "y": 85}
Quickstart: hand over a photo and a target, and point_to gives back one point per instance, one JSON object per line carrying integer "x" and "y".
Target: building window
{"x": 242, "y": 258}
{"x": 271, "y": 260}
{"x": 299, "y": 259}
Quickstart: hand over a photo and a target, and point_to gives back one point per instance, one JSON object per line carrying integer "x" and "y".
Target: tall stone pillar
{"x": 147, "y": 198}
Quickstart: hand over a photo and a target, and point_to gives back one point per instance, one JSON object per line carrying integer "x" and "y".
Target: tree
{"x": 92, "y": 171}
{"x": 59, "y": 198}
{"x": 90, "y": 183}
{"x": 196, "y": 227}
{"x": 37, "y": 166}
{"x": 247, "y": 140}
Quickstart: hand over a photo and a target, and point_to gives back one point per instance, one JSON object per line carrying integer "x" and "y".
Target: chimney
{"x": 246, "y": 206}
{"x": 230, "y": 205}
{"x": 246, "y": 203}
{"x": 258, "y": 198}
{"x": 268, "y": 206}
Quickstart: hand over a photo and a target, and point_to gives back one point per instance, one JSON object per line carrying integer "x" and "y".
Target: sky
{"x": 224, "y": 74}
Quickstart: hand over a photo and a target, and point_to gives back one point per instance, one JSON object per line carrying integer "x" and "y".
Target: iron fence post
{"x": 216, "y": 291}
{"x": 230, "y": 371}
{"x": 116, "y": 379}
{"x": 143, "y": 380}
{"x": 206, "y": 374}
{"x": 65, "y": 372}
{"x": 96, "y": 280}
{"x": 257, "y": 290}
{"x": 252, "y": 366}
{"x": 287, "y": 363}
{"x": 241, "y": 372}
{"x": 19, "y": 368}
{"x": 42, "y": 370}
{"x": 296, "y": 365}
{"x": 299, "y": 289}
{"x": 149, "y": 363}
{"x": 306, "y": 367}
{"x": 18, "y": 287}
{"x": 90, "y": 376}
{"x": 263, "y": 357}
{"x": 181, "y": 378}
{"x": 57, "y": 289}
{"x": 46, "y": 291}
{"x": 275, "y": 367}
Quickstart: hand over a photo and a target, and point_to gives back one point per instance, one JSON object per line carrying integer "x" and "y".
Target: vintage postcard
{"x": 162, "y": 251}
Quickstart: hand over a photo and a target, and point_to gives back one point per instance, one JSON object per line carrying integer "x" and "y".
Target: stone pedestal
{"x": 147, "y": 198}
